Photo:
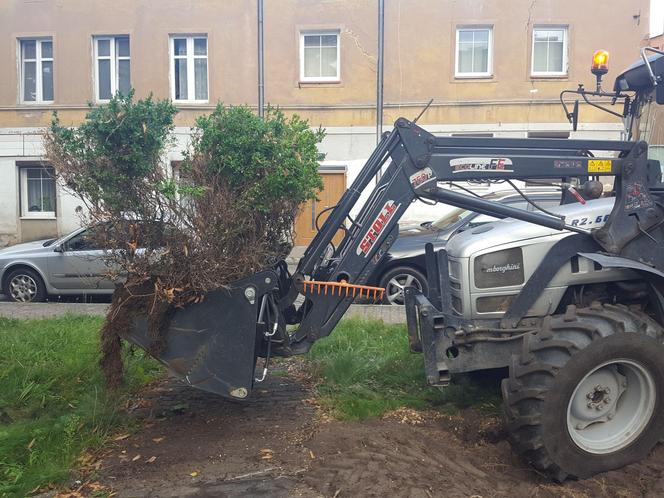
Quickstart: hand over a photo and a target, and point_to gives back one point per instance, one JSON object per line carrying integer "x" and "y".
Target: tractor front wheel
{"x": 586, "y": 394}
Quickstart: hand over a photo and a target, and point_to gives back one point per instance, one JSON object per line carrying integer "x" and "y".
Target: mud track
{"x": 196, "y": 444}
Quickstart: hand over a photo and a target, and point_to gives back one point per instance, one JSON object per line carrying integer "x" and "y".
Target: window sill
{"x": 481, "y": 77}
{"x": 42, "y": 218}
{"x": 335, "y": 82}
{"x": 191, "y": 102}
{"x": 549, "y": 77}
{"x": 37, "y": 103}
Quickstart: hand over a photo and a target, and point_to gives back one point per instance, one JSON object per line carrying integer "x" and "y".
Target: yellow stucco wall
{"x": 419, "y": 50}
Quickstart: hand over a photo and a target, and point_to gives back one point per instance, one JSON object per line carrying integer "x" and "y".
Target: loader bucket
{"x": 212, "y": 345}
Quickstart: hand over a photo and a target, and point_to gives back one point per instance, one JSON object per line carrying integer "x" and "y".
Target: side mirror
{"x": 575, "y": 115}
{"x": 58, "y": 248}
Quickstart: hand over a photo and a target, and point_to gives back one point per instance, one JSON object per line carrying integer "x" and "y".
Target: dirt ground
{"x": 279, "y": 444}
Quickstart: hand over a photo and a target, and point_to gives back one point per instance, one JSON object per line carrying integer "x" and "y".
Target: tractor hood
{"x": 591, "y": 215}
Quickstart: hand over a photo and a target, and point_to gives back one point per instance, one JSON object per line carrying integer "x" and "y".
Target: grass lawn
{"x": 53, "y": 404}
{"x": 366, "y": 369}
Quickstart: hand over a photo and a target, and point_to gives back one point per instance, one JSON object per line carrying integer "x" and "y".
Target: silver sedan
{"x": 68, "y": 265}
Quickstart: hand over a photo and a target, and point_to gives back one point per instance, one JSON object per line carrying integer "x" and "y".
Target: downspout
{"x": 261, "y": 64}
{"x": 379, "y": 74}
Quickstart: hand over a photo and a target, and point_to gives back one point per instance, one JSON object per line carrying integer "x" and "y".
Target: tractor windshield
{"x": 649, "y": 126}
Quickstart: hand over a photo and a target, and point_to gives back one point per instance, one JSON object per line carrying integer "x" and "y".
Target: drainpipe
{"x": 379, "y": 74}
{"x": 261, "y": 66}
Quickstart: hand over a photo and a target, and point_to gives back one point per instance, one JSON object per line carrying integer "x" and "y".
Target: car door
{"x": 78, "y": 264}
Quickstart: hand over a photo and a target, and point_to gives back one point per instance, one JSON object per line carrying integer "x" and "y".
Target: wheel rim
{"x": 394, "y": 290}
{"x": 611, "y": 406}
{"x": 23, "y": 288}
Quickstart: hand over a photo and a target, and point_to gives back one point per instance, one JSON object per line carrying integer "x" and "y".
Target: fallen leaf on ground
{"x": 267, "y": 454}
{"x": 311, "y": 454}
{"x": 158, "y": 439}
{"x": 151, "y": 459}
{"x": 194, "y": 473}
{"x": 121, "y": 437}
{"x": 136, "y": 458}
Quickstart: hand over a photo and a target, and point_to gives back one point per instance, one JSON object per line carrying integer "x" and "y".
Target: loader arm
{"x": 214, "y": 344}
{"x": 414, "y": 163}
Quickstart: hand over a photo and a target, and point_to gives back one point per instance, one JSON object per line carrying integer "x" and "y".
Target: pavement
{"x": 74, "y": 305}
{"x": 50, "y": 310}
{"x": 388, "y": 314}
{"x": 295, "y": 255}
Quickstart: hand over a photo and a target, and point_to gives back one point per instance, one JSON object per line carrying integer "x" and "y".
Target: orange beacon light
{"x": 600, "y": 64}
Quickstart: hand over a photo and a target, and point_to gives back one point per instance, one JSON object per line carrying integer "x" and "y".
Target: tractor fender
{"x": 608, "y": 261}
{"x": 654, "y": 277}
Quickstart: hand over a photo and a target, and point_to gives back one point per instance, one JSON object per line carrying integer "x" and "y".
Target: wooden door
{"x": 334, "y": 185}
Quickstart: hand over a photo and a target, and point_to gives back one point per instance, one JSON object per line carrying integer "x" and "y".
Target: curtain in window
{"x": 320, "y": 56}
{"x": 548, "y": 50}
{"x": 201, "y": 79}
{"x": 40, "y": 190}
{"x": 473, "y": 51}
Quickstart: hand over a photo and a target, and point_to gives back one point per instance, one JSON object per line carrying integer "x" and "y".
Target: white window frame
{"x": 23, "y": 179}
{"x": 114, "y": 58}
{"x": 190, "y": 57}
{"x": 489, "y": 72}
{"x": 544, "y": 74}
{"x": 320, "y": 79}
{"x": 38, "y": 60}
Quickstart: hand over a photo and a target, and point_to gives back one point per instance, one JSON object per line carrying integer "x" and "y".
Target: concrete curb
{"x": 388, "y": 314}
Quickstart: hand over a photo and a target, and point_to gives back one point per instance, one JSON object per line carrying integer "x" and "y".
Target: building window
{"x": 473, "y": 52}
{"x": 319, "y": 57}
{"x": 549, "y": 52}
{"x": 189, "y": 68}
{"x": 37, "y": 191}
{"x": 37, "y": 70}
{"x": 112, "y": 66}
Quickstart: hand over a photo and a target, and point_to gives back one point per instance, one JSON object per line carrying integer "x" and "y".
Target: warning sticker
{"x": 599, "y": 165}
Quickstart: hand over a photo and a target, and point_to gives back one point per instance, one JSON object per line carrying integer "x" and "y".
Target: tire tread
{"x": 532, "y": 372}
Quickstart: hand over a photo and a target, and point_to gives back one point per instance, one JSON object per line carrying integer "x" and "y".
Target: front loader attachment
{"x": 212, "y": 345}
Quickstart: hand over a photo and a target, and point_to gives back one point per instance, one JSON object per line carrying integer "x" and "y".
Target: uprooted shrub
{"x": 226, "y": 211}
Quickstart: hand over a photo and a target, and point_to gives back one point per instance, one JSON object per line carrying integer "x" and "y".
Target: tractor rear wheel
{"x": 586, "y": 394}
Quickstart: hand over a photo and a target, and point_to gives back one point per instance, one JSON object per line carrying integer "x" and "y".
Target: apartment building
{"x": 492, "y": 68}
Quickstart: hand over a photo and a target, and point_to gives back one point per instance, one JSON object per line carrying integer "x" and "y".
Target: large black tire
{"x": 544, "y": 393}
{"x": 24, "y": 285}
{"x": 399, "y": 276}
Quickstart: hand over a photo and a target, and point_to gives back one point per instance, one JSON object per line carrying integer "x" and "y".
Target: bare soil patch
{"x": 278, "y": 444}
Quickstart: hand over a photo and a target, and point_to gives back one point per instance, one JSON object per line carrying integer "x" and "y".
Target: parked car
{"x": 404, "y": 264}
{"x": 69, "y": 265}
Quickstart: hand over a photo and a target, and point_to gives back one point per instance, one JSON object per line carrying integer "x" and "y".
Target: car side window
{"x": 83, "y": 241}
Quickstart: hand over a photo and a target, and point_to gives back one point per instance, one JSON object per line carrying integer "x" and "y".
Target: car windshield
{"x": 450, "y": 218}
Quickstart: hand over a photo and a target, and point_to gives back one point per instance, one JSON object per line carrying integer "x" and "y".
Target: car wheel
{"x": 24, "y": 285}
{"x": 396, "y": 280}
